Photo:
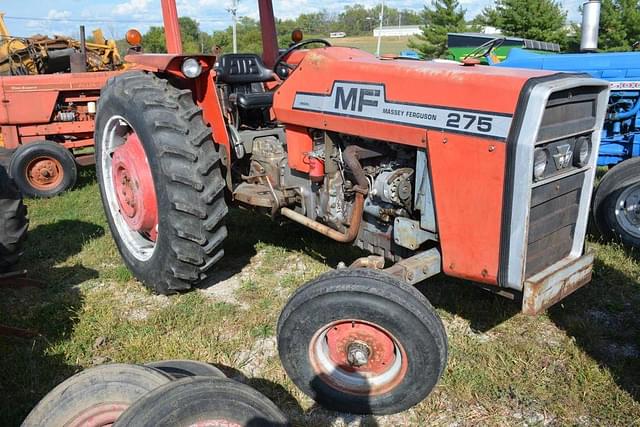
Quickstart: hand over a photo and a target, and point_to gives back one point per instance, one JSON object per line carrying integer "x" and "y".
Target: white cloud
{"x": 58, "y": 14}
{"x": 132, "y": 7}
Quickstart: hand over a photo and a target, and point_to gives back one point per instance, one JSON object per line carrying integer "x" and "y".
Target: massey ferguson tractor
{"x": 479, "y": 173}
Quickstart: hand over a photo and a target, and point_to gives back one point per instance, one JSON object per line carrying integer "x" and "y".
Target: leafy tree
{"x": 630, "y": 16}
{"x": 442, "y": 17}
{"x": 193, "y": 40}
{"x": 613, "y": 35}
{"x": 543, "y": 20}
{"x": 154, "y": 41}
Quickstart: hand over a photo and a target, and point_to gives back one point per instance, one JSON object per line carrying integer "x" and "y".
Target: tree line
{"x": 543, "y": 20}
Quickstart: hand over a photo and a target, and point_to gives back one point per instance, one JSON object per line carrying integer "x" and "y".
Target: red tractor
{"x": 478, "y": 173}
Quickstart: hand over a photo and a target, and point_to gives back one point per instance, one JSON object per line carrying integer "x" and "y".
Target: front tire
{"x": 361, "y": 341}
{"x": 43, "y": 169}
{"x": 616, "y": 205}
{"x": 160, "y": 182}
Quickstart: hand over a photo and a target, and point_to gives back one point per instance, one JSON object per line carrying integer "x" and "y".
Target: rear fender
{"x": 204, "y": 87}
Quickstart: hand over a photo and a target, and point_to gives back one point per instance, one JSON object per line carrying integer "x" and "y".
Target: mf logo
{"x": 563, "y": 157}
{"x": 355, "y": 98}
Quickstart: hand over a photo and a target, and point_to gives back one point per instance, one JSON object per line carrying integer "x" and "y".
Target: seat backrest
{"x": 242, "y": 68}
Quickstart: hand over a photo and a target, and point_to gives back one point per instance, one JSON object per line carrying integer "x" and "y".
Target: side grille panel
{"x": 569, "y": 112}
{"x": 554, "y": 213}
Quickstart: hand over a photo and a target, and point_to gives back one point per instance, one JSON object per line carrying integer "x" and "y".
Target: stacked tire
{"x": 168, "y": 393}
{"x": 13, "y": 223}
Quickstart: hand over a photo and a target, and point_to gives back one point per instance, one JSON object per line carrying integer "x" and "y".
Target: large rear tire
{"x": 160, "y": 182}
{"x": 616, "y": 205}
{"x": 13, "y": 223}
{"x": 361, "y": 341}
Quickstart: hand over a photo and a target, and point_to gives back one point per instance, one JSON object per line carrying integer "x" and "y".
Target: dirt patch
{"x": 253, "y": 362}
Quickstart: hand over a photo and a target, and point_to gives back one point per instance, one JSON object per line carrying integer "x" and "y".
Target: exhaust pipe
{"x": 590, "y": 26}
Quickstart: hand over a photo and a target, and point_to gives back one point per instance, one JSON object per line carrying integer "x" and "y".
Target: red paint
{"x": 299, "y": 144}
{"x": 28, "y": 108}
{"x": 134, "y": 187}
{"x": 269, "y": 34}
{"x": 316, "y": 169}
{"x": 44, "y": 173}
{"x": 207, "y": 98}
{"x": 171, "y": 26}
{"x": 380, "y": 345}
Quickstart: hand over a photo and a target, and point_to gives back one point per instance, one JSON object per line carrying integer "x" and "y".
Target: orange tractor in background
{"x": 478, "y": 173}
{"x": 48, "y": 94}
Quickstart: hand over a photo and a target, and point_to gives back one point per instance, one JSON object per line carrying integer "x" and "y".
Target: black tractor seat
{"x": 242, "y": 68}
{"x": 253, "y": 100}
{"x": 246, "y": 73}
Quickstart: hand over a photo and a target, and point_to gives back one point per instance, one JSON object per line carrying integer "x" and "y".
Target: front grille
{"x": 552, "y": 222}
{"x": 555, "y": 202}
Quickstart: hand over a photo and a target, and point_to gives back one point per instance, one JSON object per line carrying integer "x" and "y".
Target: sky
{"x": 27, "y": 17}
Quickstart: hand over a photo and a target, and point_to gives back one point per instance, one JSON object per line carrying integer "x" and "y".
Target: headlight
{"x": 191, "y": 68}
{"x": 540, "y": 160}
{"x": 582, "y": 152}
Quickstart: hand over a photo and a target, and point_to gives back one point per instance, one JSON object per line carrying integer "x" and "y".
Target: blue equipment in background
{"x": 621, "y": 134}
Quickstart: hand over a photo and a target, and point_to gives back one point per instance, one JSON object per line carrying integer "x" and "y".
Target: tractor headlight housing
{"x": 582, "y": 152}
{"x": 540, "y": 160}
{"x": 191, "y": 68}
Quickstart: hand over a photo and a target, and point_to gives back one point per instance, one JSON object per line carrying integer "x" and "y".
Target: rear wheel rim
{"x": 44, "y": 173}
{"x": 628, "y": 210}
{"x": 358, "y": 357}
{"x": 102, "y": 415}
{"x": 129, "y": 189}
{"x": 215, "y": 423}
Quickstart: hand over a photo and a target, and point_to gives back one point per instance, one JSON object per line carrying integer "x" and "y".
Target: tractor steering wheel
{"x": 485, "y": 49}
{"x": 280, "y": 60}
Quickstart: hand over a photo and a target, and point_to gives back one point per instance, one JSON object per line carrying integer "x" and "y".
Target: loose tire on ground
{"x": 13, "y": 222}
{"x": 616, "y": 204}
{"x": 178, "y": 369}
{"x": 183, "y": 167}
{"x": 361, "y": 341}
{"x": 203, "y": 401}
{"x": 95, "y": 397}
{"x": 43, "y": 169}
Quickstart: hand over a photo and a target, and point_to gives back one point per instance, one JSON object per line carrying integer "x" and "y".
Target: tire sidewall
{"x": 347, "y": 302}
{"x": 617, "y": 229}
{"x": 188, "y": 400}
{"x": 613, "y": 184}
{"x": 26, "y": 153}
{"x": 149, "y": 271}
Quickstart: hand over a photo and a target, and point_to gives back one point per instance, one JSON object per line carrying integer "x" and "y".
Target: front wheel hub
{"x": 628, "y": 210}
{"x": 358, "y": 357}
{"x": 134, "y": 187}
{"x": 44, "y": 173}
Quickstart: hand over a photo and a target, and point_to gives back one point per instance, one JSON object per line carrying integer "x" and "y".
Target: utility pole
{"x": 381, "y": 24}
{"x": 233, "y": 10}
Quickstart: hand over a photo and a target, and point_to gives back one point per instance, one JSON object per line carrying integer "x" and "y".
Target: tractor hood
{"x": 618, "y": 66}
{"x": 345, "y": 90}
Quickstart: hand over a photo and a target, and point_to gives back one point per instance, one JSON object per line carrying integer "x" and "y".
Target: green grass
{"x": 576, "y": 365}
{"x": 390, "y": 45}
